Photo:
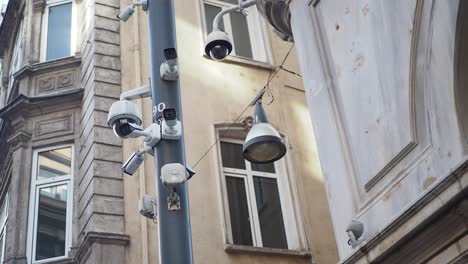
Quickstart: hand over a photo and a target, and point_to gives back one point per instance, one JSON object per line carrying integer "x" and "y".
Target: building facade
{"x": 63, "y": 196}
{"x": 386, "y": 85}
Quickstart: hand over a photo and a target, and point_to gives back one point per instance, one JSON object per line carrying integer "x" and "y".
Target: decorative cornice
{"x": 24, "y": 105}
{"x": 38, "y": 5}
{"x": 19, "y": 140}
{"x": 30, "y": 69}
{"x": 98, "y": 238}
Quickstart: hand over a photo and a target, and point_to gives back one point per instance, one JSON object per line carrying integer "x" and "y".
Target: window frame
{"x": 292, "y": 215}
{"x": 45, "y": 24}
{"x": 258, "y": 33}
{"x": 16, "y": 58}
{"x": 5, "y": 206}
{"x": 36, "y": 186}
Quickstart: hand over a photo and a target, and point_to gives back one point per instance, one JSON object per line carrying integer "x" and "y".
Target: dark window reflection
{"x": 210, "y": 14}
{"x": 241, "y": 36}
{"x": 51, "y": 222}
{"x": 1, "y": 245}
{"x": 59, "y": 31}
{"x": 232, "y": 155}
{"x": 269, "y": 213}
{"x": 54, "y": 163}
{"x": 239, "y": 211}
{"x": 268, "y": 167}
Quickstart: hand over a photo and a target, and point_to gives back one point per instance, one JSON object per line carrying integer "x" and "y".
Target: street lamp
{"x": 218, "y": 43}
{"x": 263, "y": 143}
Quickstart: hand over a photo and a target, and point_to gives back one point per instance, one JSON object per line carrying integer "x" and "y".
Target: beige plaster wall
{"x": 213, "y": 93}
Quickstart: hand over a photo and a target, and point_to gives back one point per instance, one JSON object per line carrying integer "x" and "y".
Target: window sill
{"x": 230, "y": 248}
{"x": 232, "y": 59}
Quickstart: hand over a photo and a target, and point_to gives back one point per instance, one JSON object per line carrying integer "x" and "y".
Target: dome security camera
{"x": 218, "y": 45}
{"x": 355, "y": 231}
{"x": 125, "y": 119}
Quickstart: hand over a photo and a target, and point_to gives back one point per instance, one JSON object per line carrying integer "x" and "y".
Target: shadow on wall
{"x": 461, "y": 69}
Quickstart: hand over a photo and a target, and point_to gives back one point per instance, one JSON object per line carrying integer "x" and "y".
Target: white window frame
{"x": 259, "y": 40}
{"x": 3, "y": 224}
{"x": 36, "y": 185}
{"x": 45, "y": 23}
{"x": 295, "y": 234}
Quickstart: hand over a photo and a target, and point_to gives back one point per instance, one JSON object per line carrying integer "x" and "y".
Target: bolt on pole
{"x": 174, "y": 232}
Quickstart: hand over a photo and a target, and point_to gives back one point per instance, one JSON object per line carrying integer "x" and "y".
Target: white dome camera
{"x": 355, "y": 231}
{"x": 218, "y": 45}
{"x": 125, "y": 119}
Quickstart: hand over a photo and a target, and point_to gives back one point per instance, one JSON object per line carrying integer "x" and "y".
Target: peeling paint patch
{"x": 428, "y": 182}
{"x": 358, "y": 62}
{"x": 365, "y": 10}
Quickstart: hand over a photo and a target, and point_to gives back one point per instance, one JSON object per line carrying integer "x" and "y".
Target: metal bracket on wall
{"x": 173, "y": 201}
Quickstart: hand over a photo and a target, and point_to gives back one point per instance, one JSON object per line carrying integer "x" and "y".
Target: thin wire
{"x": 291, "y": 72}
{"x": 275, "y": 72}
{"x": 272, "y": 75}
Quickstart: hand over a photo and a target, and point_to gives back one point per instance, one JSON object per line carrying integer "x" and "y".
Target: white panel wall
{"x": 379, "y": 81}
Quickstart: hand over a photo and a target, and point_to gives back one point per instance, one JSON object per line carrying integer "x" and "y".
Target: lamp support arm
{"x": 218, "y": 17}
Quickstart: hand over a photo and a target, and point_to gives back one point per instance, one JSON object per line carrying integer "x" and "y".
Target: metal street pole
{"x": 175, "y": 242}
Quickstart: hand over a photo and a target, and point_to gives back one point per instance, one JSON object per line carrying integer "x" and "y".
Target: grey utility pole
{"x": 175, "y": 242}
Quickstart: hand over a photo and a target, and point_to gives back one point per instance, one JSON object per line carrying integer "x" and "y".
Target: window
{"x": 260, "y": 210}
{"x": 58, "y": 27}
{"x": 247, "y": 33}
{"x": 51, "y": 204}
{"x": 3, "y": 223}
{"x": 16, "y": 59}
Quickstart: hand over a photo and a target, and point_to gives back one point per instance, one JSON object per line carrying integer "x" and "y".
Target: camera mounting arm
{"x": 240, "y": 7}
{"x": 137, "y": 93}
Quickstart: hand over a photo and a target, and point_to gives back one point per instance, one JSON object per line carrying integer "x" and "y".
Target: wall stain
{"x": 358, "y": 62}
{"x": 365, "y": 10}
{"x": 428, "y": 182}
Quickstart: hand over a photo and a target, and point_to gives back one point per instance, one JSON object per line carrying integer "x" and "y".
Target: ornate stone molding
{"x": 83, "y": 251}
{"x": 38, "y": 5}
{"x": 19, "y": 140}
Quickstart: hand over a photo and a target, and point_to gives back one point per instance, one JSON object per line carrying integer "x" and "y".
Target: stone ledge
{"x": 230, "y": 248}
{"x": 82, "y": 252}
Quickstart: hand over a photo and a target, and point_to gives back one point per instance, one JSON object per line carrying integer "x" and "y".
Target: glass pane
{"x": 51, "y": 222}
{"x": 235, "y": 2}
{"x": 267, "y": 167}
{"x": 232, "y": 155}
{"x": 239, "y": 211}
{"x": 241, "y": 37}
{"x": 210, "y": 13}
{"x": 269, "y": 213}
{"x": 59, "y": 31}
{"x": 2, "y": 240}
{"x": 54, "y": 163}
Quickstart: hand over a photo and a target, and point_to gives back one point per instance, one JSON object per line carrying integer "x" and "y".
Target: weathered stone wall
{"x": 101, "y": 184}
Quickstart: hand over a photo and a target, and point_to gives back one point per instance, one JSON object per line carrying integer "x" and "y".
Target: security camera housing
{"x": 126, "y": 13}
{"x": 125, "y": 129}
{"x": 124, "y": 109}
{"x": 133, "y": 163}
{"x": 218, "y": 45}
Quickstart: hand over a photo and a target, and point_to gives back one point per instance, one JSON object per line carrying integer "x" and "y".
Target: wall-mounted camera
{"x": 147, "y": 206}
{"x": 169, "y": 69}
{"x": 355, "y": 231}
{"x": 125, "y": 119}
{"x": 171, "y": 127}
{"x": 133, "y": 163}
